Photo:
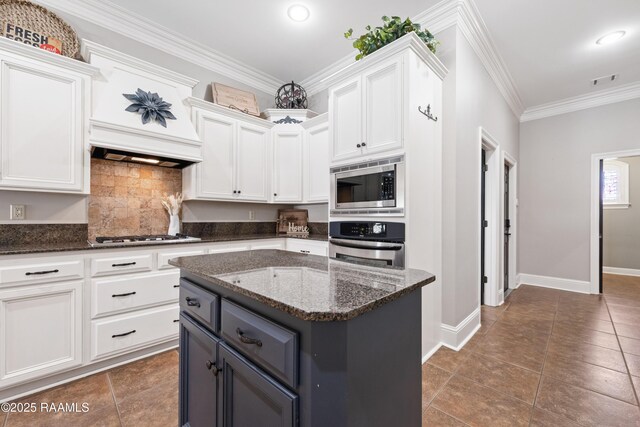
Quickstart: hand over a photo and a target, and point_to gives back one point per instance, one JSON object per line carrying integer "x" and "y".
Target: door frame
{"x": 492, "y": 214}
{"x": 513, "y": 214}
{"x": 595, "y": 261}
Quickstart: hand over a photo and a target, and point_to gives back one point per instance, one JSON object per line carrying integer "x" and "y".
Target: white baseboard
{"x": 555, "y": 283}
{"x": 621, "y": 271}
{"x": 455, "y": 337}
{"x": 430, "y": 353}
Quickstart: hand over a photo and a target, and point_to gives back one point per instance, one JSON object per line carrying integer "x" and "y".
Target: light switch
{"x": 18, "y": 212}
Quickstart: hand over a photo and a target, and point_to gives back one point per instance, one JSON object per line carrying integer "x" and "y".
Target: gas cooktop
{"x": 141, "y": 240}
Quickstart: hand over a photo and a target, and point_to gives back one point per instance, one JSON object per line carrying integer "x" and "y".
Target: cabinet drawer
{"x": 199, "y": 303}
{"x": 164, "y": 257}
{"x": 308, "y": 247}
{"x": 40, "y": 270}
{"x": 271, "y": 346}
{"x": 120, "y": 294}
{"x": 115, "y": 335}
{"x": 121, "y": 264}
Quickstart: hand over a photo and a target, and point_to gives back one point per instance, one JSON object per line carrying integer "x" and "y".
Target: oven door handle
{"x": 365, "y": 244}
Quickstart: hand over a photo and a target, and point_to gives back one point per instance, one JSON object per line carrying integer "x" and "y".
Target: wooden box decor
{"x": 235, "y": 98}
{"x": 31, "y": 24}
{"x": 293, "y": 221}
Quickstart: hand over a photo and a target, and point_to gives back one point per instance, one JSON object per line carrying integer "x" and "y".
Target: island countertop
{"x": 309, "y": 287}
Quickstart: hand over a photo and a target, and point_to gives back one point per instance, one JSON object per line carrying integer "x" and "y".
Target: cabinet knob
{"x": 234, "y": 191}
{"x": 275, "y": 194}
{"x": 239, "y": 191}
{"x": 364, "y": 144}
{"x": 358, "y": 145}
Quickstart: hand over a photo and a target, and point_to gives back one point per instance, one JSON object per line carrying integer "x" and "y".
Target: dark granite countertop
{"x": 309, "y": 287}
{"x": 35, "y": 248}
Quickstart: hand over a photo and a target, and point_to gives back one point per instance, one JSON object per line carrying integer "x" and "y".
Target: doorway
{"x": 611, "y": 209}
{"x": 507, "y": 230}
{"x": 483, "y": 222}
{"x": 489, "y": 220}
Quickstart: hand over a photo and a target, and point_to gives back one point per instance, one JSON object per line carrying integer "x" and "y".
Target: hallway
{"x": 544, "y": 358}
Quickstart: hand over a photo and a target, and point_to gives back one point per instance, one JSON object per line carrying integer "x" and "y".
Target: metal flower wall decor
{"x": 150, "y": 106}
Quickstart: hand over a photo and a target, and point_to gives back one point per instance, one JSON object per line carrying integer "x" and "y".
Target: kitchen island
{"x": 270, "y": 337}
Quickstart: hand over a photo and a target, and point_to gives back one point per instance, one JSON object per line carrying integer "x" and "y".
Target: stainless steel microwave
{"x": 375, "y": 187}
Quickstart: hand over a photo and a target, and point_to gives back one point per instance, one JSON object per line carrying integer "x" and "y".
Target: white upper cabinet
{"x": 288, "y": 164}
{"x": 236, "y": 156}
{"x": 345, "y": 104}
{"x": 253, "y": 155}
{"x": 316, "y": 163}
{"x": 366, "y": 112}
{"x": 383, "y": 107}
{"x": 215, "y": 178}
{"x": 44, "y": 110}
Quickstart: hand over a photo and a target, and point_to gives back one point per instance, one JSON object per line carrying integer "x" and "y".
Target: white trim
{"x": 89, "y": 48}
{"x": 513, "y": 213}
{"x": 580, "y": 286}
{"x": 455, "y": 337}
{"x": 124, "y": 22}
{"x": 621, "y": 271}
{"x": 439, "y": 17}
{"x": 43, "y": 56}
{"x": 582, "y": 102}
{"x": 595, "y": 212}
{"x": 431, "y": 353}
{"x": 492, "y": 251}
{"x": 475, "y": 31}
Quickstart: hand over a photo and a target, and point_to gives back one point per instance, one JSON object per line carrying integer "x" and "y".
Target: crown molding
{"x": 477, "y": 34}
{"x": 89, "y": 48}
{"x": 444, "y": 15}
{"x": 26, "y": 51}
{"x": 119, "y": 20}
{"x": 582, "y": 102}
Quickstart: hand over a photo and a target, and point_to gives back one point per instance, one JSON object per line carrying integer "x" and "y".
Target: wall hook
{"x": 428, "y": 113}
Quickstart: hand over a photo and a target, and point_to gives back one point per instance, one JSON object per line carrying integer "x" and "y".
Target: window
{"x": 616, "y": 184}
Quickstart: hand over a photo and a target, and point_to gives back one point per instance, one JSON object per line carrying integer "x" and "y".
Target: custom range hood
{"x": 119, "y": 127}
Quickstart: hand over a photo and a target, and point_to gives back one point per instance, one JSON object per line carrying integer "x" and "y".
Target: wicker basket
{"x": 34, "y": 17}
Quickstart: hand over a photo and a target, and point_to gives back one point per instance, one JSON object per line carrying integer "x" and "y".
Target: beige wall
{"x": 555, "y": 184}
{"x": 621, "y": 234}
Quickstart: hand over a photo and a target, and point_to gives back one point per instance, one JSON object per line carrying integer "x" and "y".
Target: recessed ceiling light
{"x": 298, "y": 13}
{"x": 610, "y": 38}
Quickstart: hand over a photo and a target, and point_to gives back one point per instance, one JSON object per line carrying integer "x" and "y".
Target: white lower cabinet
{"x": 312, "y": 247}
{"x": 120, "y": 334}
{"x": 40, "y": 331}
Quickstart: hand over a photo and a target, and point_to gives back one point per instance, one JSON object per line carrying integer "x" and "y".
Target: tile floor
{"x": 142, "y": 393}
{"x": 544, "y": 358}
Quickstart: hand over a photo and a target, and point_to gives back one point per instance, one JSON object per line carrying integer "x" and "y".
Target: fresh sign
{"x": 27, "y": 36}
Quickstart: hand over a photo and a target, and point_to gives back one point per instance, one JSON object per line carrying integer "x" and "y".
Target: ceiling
{"x": 548, "y": 46}
{"x": 259, "y": 33}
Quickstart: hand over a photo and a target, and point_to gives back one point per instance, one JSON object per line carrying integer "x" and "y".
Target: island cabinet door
{"x": 199, "y": 375}
{"x": 252, "y": 398}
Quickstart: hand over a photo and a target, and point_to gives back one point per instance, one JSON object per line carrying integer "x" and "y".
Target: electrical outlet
{"x": 252, "y": 215}
{"x": 18, "y": 212}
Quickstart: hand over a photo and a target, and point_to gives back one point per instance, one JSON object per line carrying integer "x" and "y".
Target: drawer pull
{"x": 31, "y": 273}
{"x": 123, "y": 335}
{"x": 176, "y": 286}
{"x": 176, "y": 321}
{"x": 192, "y": 302}
{"x": 122, "y": 295}
{"x": 305, "y": 252}
{"x": 212, "y": 367}
{"x": 246, "y": 339}
{"x": 124, "y": 264}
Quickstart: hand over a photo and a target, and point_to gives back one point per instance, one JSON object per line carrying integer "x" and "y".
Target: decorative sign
{"x": 293, "y": 221}
{"x": 31, "y": 37}
{"x": 235, "y": 98}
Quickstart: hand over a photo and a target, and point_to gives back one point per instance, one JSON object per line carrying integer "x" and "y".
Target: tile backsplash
{"x": 125, "y": 198}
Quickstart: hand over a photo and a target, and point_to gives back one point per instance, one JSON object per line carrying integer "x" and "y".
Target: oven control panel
{"x": 367, "y": 230}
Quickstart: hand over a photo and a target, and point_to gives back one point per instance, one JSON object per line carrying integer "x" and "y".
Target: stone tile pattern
{"x": 338, "y": 291}
{"x": 27, "y": 234}
{"x": 544, "y": 358}
{"x": 142, "y": 393}
{"x": 125, "y": 198}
